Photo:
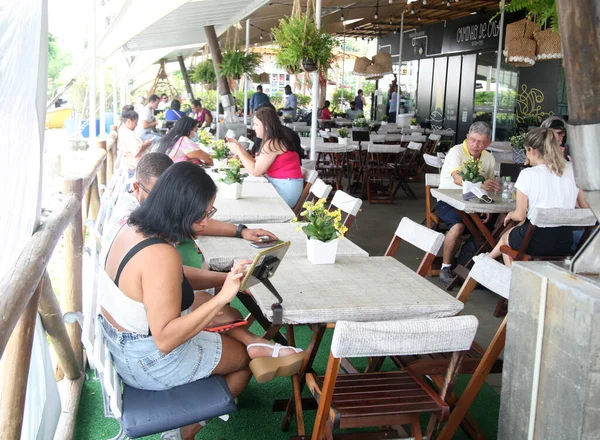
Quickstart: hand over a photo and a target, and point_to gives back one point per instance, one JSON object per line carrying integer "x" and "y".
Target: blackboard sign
{"x": 475, "y": 32}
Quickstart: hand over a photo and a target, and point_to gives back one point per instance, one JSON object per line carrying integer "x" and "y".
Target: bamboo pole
{"x": 16, "y": 371}
{"x": 70, "y": 395}
{"x": 73, "y": 270}
{"x": 102, "y": 172}
{"x": 111, "y": 148}
{"x": 49, "y": 310}
{"x": 20, "y": 281}
{"x": 94, "y": 206}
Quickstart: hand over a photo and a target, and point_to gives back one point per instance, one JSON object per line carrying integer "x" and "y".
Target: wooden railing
{"x": 27, "y": 290}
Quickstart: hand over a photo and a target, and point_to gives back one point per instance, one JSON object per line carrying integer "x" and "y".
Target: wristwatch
{"x": 240, "y": 228}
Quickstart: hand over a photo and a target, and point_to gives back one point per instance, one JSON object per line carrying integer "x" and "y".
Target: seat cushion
{"x": 149, "y": 412}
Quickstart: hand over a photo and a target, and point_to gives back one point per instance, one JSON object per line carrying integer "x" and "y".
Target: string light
{"x": 261, "y": 36}
{"x": 412, "y": 12}
{"x": 448, "y": 4}
{"x": 376, "y": 16}
{"x": 424, "y": 2}
{"x": 342, "y": 16}
{"x": 390, "y": 1}
{"x": 419, "y": 19}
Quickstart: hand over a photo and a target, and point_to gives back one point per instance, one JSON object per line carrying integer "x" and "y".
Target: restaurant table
{"x": 214, "y": 173}
{"x": 252, "y": 189}
{"x": 330, "y": 147}
{"x": 219, "y": 252}
{"x": 323, "y": 294}
{"x": 253, "y": 209}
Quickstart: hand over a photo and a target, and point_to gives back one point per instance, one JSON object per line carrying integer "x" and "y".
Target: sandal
{"x": 266, "y": 368}
{"x": 275, "y": 347}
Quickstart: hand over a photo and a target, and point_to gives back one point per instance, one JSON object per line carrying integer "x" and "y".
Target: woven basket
{"x": 374, "y": 71}
{"x": 521, "y": 29}
{"x": 520, "y": 52}
{"x": 384, "y": 60}
{"x": 548, "y": 45}
{"x": 360, "y": 66}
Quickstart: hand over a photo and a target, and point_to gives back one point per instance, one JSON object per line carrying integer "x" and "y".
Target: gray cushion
{"x": 149, "y": 412}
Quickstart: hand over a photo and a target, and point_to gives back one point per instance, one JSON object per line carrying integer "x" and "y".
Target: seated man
{"x": 354, "y": 113}
{"x": 146, "y": 127}
{"x": 148, "y": 170}
{"x": 478, "y": 139}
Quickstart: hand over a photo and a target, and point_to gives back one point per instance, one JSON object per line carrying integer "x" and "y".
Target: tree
{"x": 57, "y": 61}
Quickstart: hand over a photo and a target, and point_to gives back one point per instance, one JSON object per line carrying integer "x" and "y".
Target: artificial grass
{"x": 254, "y": 419}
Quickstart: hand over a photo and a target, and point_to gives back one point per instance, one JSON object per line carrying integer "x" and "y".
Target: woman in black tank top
{"x": 146, "y": 266}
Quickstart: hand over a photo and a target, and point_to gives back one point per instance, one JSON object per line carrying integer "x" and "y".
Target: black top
{"x": 187, "y": 292}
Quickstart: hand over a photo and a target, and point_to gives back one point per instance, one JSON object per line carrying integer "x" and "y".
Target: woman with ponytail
{"x": 549, "y": 183}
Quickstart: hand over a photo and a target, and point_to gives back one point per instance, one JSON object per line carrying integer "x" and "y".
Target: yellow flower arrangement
{"x": 322, "y": 225}
{"x": 204, "y": 137}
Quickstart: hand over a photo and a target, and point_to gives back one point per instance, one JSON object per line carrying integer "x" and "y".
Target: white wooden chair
{"x": 348, "y": 204}
{"x": 309, "y": 176}
{"x": 319, "y": 190}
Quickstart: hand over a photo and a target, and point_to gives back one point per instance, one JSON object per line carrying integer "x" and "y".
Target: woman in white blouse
{"x": 549, "y": 183}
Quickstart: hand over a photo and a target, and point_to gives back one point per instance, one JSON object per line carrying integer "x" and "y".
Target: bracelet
{"x": 240, "y": 228}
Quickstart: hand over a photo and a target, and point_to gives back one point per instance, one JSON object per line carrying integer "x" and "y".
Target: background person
{"x": 548, "y": 183}
{"x": 393, "y": 103}
{"x": 201, "y": 114}
{"x": 174, "y": 113}
{"x": 325, "y": 113}
{"x": 179, "y": 143}
{"x": 164, "y": 102}
{"x": 360, "y": 100}
{"x": 478, "y": 139}
{"x": 129, "y": 144}
{"x": 353, "y": 112}
{"x": 258, "y": 99}
{"x": 146, "y": 127}
{"x": 276, "y": 158}
{"x": 291, "y": 103}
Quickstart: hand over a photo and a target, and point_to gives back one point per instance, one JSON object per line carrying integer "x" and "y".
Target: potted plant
{"x": 384, "y": 120}
{"x": 204, "y": 137}
{"x": 323, "y": 229}
{"x": 471, "y": 171}
{"x": 219, "y": 153}
{"x": 204, "y": 73}
{"x": 413, "y": 124}
{"x": 236, "y": 63}
{"x": 301, "y": 45}
{"x": 361, "y": 124}
{"x": 518, "y": 145}
{"x": 232, "y": 188}
{"x": 161, "y": 120}
{"x": 343, "y": 136}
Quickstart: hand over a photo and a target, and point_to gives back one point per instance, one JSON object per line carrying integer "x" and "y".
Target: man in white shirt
{"x": 478, "y": 139}
{"x": 291, "y": 103}
{"x": 164, "y": 102}
{"x": 146, "y": 127}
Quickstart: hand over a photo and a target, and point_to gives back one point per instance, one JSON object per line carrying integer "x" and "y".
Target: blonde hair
{"x": 544, "y": 140}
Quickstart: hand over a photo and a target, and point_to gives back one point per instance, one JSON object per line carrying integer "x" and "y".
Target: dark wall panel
{"x": 438, "y": 93}
{"x": 537, "y": 91}
{"x": 424, "y": 88}
{"x": 452, "y": 93}
{"x": 467, "y": 96}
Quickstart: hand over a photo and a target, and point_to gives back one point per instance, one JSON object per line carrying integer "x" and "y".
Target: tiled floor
{"x": 373, "y": 230}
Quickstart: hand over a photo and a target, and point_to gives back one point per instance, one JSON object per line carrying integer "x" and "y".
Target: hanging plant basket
{"x": 520, "y": 53}
{"x": 384, "y": 61}
{"x": 360, "y": 66}
{"x": 548, "y": 45}
{"x": 374, "y": 72}
{"x": 521, "y": 29}
{"x": 309, "y": 65}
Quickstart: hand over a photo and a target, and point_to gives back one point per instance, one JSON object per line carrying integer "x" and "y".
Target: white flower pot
{"x": 219, "y": 163}
{"x": 342, "y": 141}
{"x": 159, "y": 124}
{"x": 383, "y": 122}
{"x": 319, "y": 252}
{"x": 231, "y": 191}
{"x": 414, "y": 127}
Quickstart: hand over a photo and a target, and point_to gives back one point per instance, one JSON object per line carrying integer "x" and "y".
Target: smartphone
{"x": 224, "y": 326}
{"x": 265, "y": 244}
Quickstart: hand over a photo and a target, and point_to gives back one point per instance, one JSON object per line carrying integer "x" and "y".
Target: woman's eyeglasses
{"x": 208, "y": 214}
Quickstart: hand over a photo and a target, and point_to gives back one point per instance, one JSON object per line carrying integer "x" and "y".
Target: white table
{"x": 355, "y": 289}
{"x": 454, "y": 198}
{"x": 253, "y": 210}
{"x": 219, "y": 252}
{"x": 216, "y": 175}
{"x": 253, "y": 189}
{"x": 331, "y": 147}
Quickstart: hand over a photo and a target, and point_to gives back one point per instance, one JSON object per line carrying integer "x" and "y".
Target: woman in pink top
{"x": 178, "y": 143}
{"x": 277, "y": 160}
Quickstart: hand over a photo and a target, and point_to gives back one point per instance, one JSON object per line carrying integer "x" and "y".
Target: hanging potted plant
{"x": 219, "y": 153}
{"x": 343, "y": 136}
{"x": 300, "y": 44}
{"x": 204, "y": 73}
{"x": 323, "y": 230}
{"x": 233, "y": 180}
{"x": 236, "y": 63}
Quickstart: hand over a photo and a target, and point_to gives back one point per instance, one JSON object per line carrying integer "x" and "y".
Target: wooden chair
{"x": 310, "y": 176}
{"x": 332, "y": 163}
{"x": 394, "y": 398}
{"x": 379, "y": 172}
{"x": 432, "y": 221}
{"x": 348, "y": 204}
{"x": 478, "y": 361}
{"x": 319, "y": 190}
{"x": 432, "y": 143}
{"x": 418, "y": 235}
{"x": 550, "y": 218}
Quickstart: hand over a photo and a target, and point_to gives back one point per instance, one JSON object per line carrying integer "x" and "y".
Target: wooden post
{"x": 72, "y": 297}
{"x": 217, "y": 59}
{"x": 102, "y": 171}
{"x": 16, "y": 370}
{"x": 186, "y": 78}
{"x": 111, "y": 146}
{"x": 94, "y": 206}
{"x": 51, "y": 315}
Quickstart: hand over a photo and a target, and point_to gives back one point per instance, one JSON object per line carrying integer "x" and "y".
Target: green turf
{"x": 254, "y": 419}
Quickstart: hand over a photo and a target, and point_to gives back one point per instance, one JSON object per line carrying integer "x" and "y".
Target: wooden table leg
{"x": 250, "y": 304}
{"x": 487, "y": 234}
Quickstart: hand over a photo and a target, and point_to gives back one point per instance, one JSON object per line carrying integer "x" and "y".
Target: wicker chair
{"x": 394, "y": 398}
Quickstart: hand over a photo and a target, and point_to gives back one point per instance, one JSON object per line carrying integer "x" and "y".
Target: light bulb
{"x": 375, "y": 16}
{"x": 448, "y": 4}
{"x": 419, "y": 18}
{"x": 424, "y": 2}
{"x": 391, "y": 1}
{"x": 412, "y": 12}
{"x": 391, "y": 22}
{"x": 261, "y": 36}
{"x": 342, "y": 17}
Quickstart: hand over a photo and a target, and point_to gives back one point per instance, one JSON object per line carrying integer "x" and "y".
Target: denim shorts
{"x": 448, "y": 214}
{"x": 142, "y": 365}
{"x": 290, "y": 190}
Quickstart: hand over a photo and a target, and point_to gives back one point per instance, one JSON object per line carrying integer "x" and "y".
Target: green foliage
{"x": 471, "y": 171}
{"x": 360, "y": 123}
{"x": 518, "y": 141}
{"x": 323, "y": 225}
{"x": 232, "y": 173}
{"x": 368, "y": 88}
{"x": 343, "y": 132}
{"x": 236, "y": 63}
{"x": 57, "y": 61}
{"x": 541, "y": 11}
{"x": 277, "y": 99}
{"x": 204, "y": 73}
{"x": 303, "y": 100}
{"x": 220, "y": 150}
{"x": 337, "y": 96}
{"x": 209, "y": 99}
{"x": 299, "y": 39}
{"x": 413, "y": 121}
{"x": 506, "y": 99}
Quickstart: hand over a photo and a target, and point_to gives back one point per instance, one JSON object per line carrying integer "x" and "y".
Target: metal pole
{"x": 399, "y": 70}
{"x": 102, "y": 81}
{"x": 92, "y": 75}
{"x": 217, "y": 110}
{"x": 498, "y": 64}
{"x": 246, "y": 76}
{"x": 315, "y": 94}
{"x": 114, "y": 96}
{"x": 342, "y": 101}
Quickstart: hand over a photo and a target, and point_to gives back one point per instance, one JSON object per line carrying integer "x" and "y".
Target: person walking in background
{"x": 258, "y": 99}
{"x": 291, "y": 104}
{"x": 393, "y": 103}
{"x": 360, "y": 100}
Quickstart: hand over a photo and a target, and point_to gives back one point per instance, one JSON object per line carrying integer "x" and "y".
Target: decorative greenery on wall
{"x": 543, "y": 12}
